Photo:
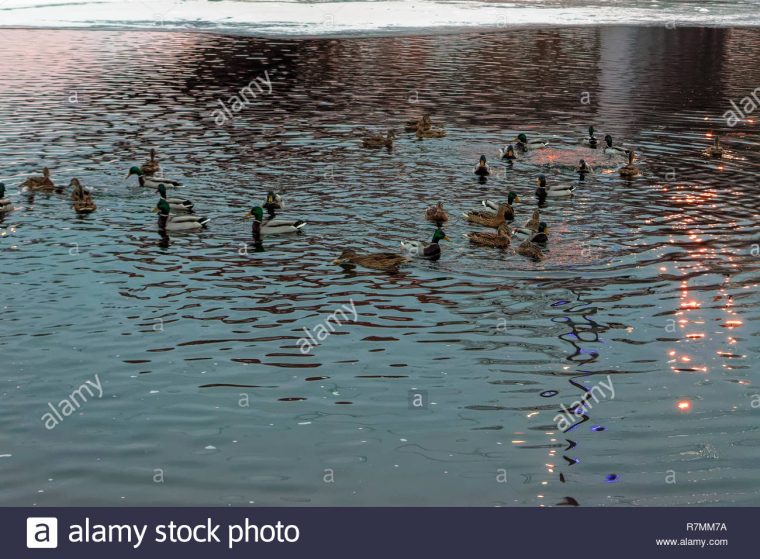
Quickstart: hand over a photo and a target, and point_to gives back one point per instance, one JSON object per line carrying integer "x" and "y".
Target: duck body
{"x": 151, "y": 167}
{"x": 507, "y": 153}
{"x": 502, "y": 238}
{"x": 531, "y": 226}
{"x": 509, "y": 212}
{"x": 525, "y": 145}
{"x": 487, "y": 218}
{"x": 43, "y": 183}
{"x": 281, "y": 226}
{"x": 554, "y": 191}
{"x": 437, "y": 214}
{"x": 531, "y": 250}
{"x": 379, "y": 141}
{"x": 185, "y": 222}
{"x": 716, "y": 150}
{"x": 431, "y": 250}
{"x": 430, "y": 133}
{"x": 180, "y": 204}
{"x": 384, "y": 261}
{"x": 5, "y": 204}
{"x": 609, "y": 149}
{"x": 630, "y": 170}
{"x": 85, "y": 206}
{"x": 152, "y": 181}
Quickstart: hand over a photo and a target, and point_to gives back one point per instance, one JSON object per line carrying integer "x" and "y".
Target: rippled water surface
{"x": 650, "y": 282}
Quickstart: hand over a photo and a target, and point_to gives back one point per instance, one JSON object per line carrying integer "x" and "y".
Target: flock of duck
{"x": 176, "y": 214}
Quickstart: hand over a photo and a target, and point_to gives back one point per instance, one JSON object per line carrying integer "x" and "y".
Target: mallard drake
{"x": 436, "y": 214}
{"x": 5, "y": 204}
{"x": 630, "y": 170}
{"x": 431, "y": 250}
{"x": 553, "y": 191}
{"x": 509, "y": 214}
{"x": 541, "y": 235}
{"x": 481, "y": 169}
{"x": 379, "y": 141}
{"x": 591, "y": 141}
{"x": 501, "y": 238}
{"x": 414, "y": 124}
{"x": 385, "y": 261}
{"x": 176, "y": 204}
{"x": 716, "y": 150}
{"x": 273, "y": 226}
{"x": 508, "y": 153}
{"x": 531, "y": 226}
{"x": 488, "y": 219}
{"x": 39, "y": 183}
{"x": 609, "y": 149}
{"x": 151, "y": 167}
{"x": 151, "y": 181}
{"x": 168, "y": 222}
{"x": 524, "y": 145}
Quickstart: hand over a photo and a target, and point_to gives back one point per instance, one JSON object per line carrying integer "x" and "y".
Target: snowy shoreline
{"x": 294, "y": 19}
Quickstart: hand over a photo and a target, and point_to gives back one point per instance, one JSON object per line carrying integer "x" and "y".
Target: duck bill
{"x": 248, "y": 214}
{"x": 446, "y": 239}
{"x": 337, "y": 261}
{"x": 517, "y": 199}
{"x": 154, "y": 210}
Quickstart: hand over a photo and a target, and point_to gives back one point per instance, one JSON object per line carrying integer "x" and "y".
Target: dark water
{"x": 651, "y": 282}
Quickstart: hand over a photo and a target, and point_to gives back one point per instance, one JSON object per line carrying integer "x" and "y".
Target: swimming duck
{"x": 274, "y": 226}
{"x": 508, "y": 153}
{"x": 715, "y": 150}
{"x": 176, "y": 204}
{"x": 531, "y": 226}
{"x": 553, "y": 191}
{"x": 431, "y": 250}
{"x": 168, "y": 222}
{"x": 532, "y": 247}
{"x": 272, "y": 203}
{"x": 415, "y": 124}
{"x": 591, "y": 141}
{"x": 509, "y": 214}
{"x": 39, "y": 183}
{"x": 501, "y": 238}
{"x": 151, "y": 167}
{"x": 385, "y": 261}
{"x": 379, "y": 141}
{"x": 487, "y": 218}
{"x": 5, "y": 204}
{"x": 78, "y": 192}
{"x": 609, "y": 149}
{"x": 84, "y": 205}
{"x": 629, "y": 170}
{"x": 429, "y": 132}
{"x": 437, "y": 214}
{"x": 481, "y": 169}
{"x": 151, "y": 181}
{"x": 583, "y": 168}
{"x": 524, "y": 145}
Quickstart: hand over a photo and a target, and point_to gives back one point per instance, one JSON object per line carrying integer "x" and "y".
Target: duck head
{"x": 161, "y": 191}
{"x": 135, "y": 170}
{"x": 74, "y": 183}
{"x": 512, "y": 198}
{"x": 511, "y": 151}
{"x": 608, "y": 140}
{"x": 482, "y": 161}
{"x": 503, "y": 229}
{"x": 256, "y": 212}
{"x": 543, "y": 228}
{"x": 2, "y": 190}
{"x": 631, "y": 156}
{"x": 46, "y": 172}
{"x": 582, "y": 165}
{"x": 591, "y": 132}
{"x": 541, "y": 181}
{"x": 522, "y": 138}
{"x": 439, "y": 235}
{"x": 346, "y": 257}
{"x": 391, "y": 134}
{"x": 152, "y": 154}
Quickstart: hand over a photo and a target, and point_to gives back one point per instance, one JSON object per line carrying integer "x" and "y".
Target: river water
{"x": 649, "y": 284}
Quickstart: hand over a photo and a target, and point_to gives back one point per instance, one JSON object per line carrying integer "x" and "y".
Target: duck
{"x": 414, "y": 124}
{"x": 591, "y": 141}
{"x": 609, "y": 149}
{"x": 487, "y": 218}
{"x": 532, "y": 247}
{"x": 500, "y": 239}
{"x": 78, "y": 192}
{"x": 531, "y": 226}
{"x": 151, "y": 167}
{"x": 385, "y": 261}
{"x": 429, "y": 132}
{"x": 431, "y": 250}
{"x": 509, "y": 214}
{"x": 39, "y": 183}
{"x": 81, "y": 198}
{"x": 524, "y": 145}
{"x": 151, "y": 181}
{"x": 630, "y": 170}
{"x": 716, "y": 150}
{"x": 168, "y": 222}
{"x": 552, "y": 191}
{"x": 437, "y": 214}
{"x": 176, "y": 204}
{"x": 508, "y": 153}
{"x": 5, "y": 204}
{"x": 273, "y": 203}
{"x": 274, "y": 226}
{"x": 379, "y": 141}
{"x": 583, "y": 168}
{"x": 481, "y": 169}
